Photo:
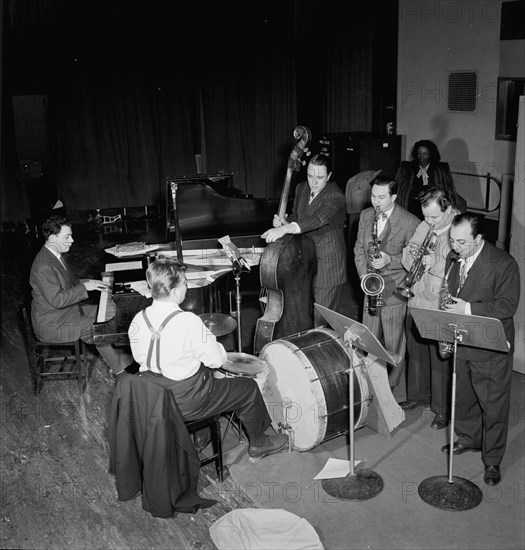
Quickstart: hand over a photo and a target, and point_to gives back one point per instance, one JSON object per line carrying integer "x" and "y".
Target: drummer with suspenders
{"x": 176, "y": 347}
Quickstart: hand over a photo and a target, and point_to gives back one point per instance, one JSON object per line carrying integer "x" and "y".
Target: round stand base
{"x": 364, "y": 484}
{"x": 457, "y": 496}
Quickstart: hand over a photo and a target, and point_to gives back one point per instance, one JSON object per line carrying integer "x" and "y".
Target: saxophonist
{"x": 428, "y": 374}
{"x": 395, "y": 227}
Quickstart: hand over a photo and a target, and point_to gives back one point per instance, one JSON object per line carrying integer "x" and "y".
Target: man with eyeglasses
{"x": 486, "y": 282}
{"x": 428, "y": 374}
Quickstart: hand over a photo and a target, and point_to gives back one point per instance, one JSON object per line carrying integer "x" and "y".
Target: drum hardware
{"x": 286, "y": 426}
{"x": 318, "y": 345}
{"x": 335, "y": 373}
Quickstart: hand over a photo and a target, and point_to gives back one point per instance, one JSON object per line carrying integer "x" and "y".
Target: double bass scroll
{"x": 287, "y": 268}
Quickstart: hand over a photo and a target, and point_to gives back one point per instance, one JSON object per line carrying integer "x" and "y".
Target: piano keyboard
{"x": 104, "y": 295}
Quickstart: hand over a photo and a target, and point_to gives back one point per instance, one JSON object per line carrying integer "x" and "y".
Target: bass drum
{"x": 308, "y": 376}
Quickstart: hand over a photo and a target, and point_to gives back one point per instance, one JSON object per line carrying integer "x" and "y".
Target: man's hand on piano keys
{"x": 93, "y": 284}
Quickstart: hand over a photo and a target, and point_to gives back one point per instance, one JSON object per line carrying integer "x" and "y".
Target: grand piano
{"x": 198, "y": 211}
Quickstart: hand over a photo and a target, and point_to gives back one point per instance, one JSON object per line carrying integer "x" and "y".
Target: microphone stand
{"x": 237, "y": 270}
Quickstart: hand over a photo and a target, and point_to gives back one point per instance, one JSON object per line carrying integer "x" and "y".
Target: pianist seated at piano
{"x": 59, "y": 312}
{"x": 176, "y": 348}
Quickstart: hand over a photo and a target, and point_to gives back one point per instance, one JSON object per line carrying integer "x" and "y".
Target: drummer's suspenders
{"x": 155, "y": 337}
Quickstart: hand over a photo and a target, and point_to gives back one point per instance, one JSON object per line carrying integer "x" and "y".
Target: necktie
{"x": 312, "y": 196}
{"x": 381, "y": 223}
{"x": 62, "y": 261}
{"x": 462, "y": 276}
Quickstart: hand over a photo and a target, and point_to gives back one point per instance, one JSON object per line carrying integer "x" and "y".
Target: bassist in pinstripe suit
{"x": 319, "y": 212}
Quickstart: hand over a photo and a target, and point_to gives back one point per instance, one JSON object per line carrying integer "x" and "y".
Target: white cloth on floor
{"x": 262, "y": 529}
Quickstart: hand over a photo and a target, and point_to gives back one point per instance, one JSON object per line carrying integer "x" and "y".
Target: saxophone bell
{"x": 372, "y": 283}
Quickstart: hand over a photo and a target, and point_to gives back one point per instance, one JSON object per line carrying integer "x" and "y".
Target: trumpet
{"x": 417, "y": 269}
{"x": 446, "y": 348}
{"x": 372, "y": 283}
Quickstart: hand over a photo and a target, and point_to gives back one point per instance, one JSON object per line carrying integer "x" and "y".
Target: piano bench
{"x": 54, "y": 361}
{"x": 214, "y": 423}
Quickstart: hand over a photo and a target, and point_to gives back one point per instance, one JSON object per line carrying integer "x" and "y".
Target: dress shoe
{"x": 410, "y": 405}
{"x": 492, "y": 475}
{"x": 272, "y": 444}
{"x": 439, "y": 422}
{"x": 201, "y": 439}
{"x": 459, "y": 449}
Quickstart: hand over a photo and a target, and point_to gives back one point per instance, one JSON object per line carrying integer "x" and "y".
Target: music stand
{"x": 363, "y": 483}
{"x": 239, "y": 264}
{"x": 450, "y": 492}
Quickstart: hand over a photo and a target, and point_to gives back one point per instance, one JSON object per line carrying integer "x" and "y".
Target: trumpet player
{"x": 428, "y": 374}
{"x": 395, "y": 226}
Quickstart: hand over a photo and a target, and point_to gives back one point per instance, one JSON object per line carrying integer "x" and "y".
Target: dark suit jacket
{"x": 397, "y": 233}
{"x": 56, "y": 294}
{"x": 150, "y": 448}
{"x": 323, "y": 222}
{"x": 492, "y": 288}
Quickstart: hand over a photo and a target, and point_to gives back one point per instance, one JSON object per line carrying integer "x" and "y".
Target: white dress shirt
{"x": 382, "y": 221}
{"x": 56, "y": 254}
{"x": 468, "y": 262}
{"x": 185, "y": 342}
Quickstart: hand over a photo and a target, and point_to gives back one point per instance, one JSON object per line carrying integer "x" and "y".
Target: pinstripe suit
{"x": 389, "y": 324}
{"x": 492, "y": 288}
{"x": 323, "y": 222}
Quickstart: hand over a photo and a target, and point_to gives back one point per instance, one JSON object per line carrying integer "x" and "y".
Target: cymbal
{"x": 218, "y": 324}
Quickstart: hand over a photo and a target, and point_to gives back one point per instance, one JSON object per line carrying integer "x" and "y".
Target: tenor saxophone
{"x": 372, "y": 283}
{"x": 446, "y": 348}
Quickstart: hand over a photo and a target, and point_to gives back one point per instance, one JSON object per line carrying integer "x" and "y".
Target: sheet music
{"x": 132, "y": 249}
{"x": 124, "y": 266}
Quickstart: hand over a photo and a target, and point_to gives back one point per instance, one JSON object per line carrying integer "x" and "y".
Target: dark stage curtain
{"x": 14, "y": 205}
{"x": 248, "y": 120}
{"x": 134, "y": 95}
{"x": 348, "y": 91}
{"x": 117, "y": 140}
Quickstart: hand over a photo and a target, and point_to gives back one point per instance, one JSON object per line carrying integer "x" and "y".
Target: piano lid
{"x": 209, "y": 208}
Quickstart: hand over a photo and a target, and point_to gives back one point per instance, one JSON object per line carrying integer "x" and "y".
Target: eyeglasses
{"x": 461, "y": 242}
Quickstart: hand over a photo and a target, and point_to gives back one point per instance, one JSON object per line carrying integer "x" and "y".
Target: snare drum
{"x": 308, "y": 372}
{"x": 245, "y": 365}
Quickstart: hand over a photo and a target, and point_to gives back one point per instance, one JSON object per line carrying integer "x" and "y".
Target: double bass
{"x": 287, "y": 269}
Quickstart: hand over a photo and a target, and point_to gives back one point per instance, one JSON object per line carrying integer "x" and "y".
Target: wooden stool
{"x": 214, "y": 423}
{"x": 71, "y": 357}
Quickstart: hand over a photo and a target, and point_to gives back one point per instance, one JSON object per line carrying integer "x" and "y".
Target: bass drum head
{"x": 308, "y": 377}
{"x": 290, "y": 381}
